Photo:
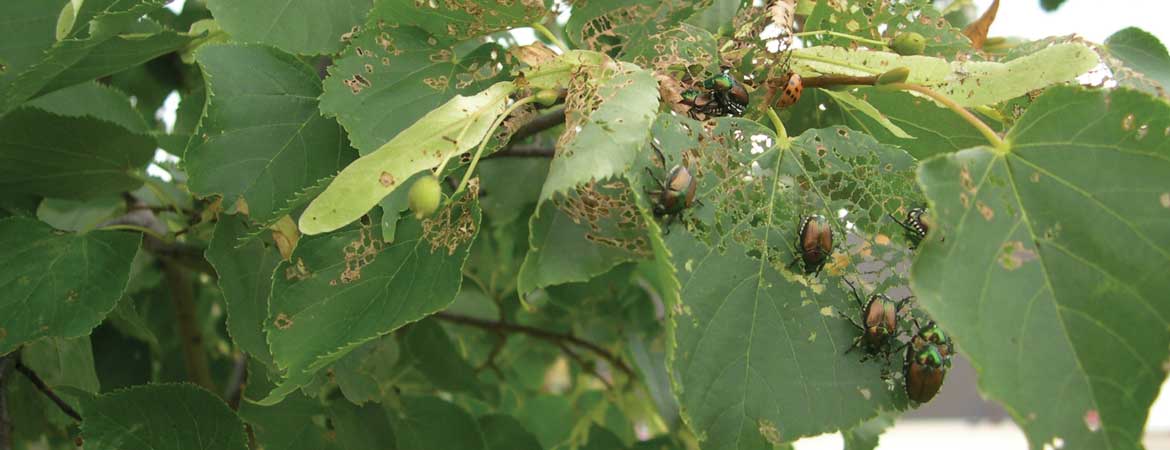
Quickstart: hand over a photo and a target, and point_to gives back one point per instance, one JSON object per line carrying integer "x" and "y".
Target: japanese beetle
{"x": 924, "y": 372}
{"x": 917, "y": 224}
{"x": 814, "y": 242}
{"x": 879, "y": 323}
{"x": 675, "y": 194}
{"x": 730, "y": 97}
{"x": 931, "y": 334}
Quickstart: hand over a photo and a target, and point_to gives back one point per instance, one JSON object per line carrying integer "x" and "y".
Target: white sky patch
{"x": 176, "y": 6}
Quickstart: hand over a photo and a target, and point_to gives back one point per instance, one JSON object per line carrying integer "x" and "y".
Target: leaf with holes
{"x": 934, "y": 129}
{"x": 1071, "y": 264}
{"x": 94, "y": 158}
{"x": 882, "y": 21}
{"x": 295, "y": 26}
{"x": 451, "y": 21}
{"x": 57, "y": 283}
{"x": 261, "y": 137}
{"x": 342, "y": 289}
{"x": 388, "y": 78}
{"x": 968, "y": 83}
{"x": 457, "y": 126}
{"x": 180, "y": 417}
{"x": 608, "y": 26}
{"x": 1145, "y": 62}
{"x": 760, "y": 349}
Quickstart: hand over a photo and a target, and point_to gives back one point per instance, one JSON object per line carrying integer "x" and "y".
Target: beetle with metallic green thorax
{"x": 676, "y": 193}
{"x": 931, "y": 334}
{"x": 879, "y": 323}
{"x": 730, "y": 96}
{"x": 814, "y": 243}
{"x": 924, "y": 370}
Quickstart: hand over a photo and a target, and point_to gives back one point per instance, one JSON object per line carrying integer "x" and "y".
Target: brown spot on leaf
{"x": 769, "y": 431}
{"x": 386, "y": 179}
{"x": 985, "y": 210}
{"x": 3, "y": 333}
{"x": 296, "y": 271}
{"x": 1035, "y": 177}
{"x": 1165, "y": 199}
{"x": 1013, "y": 255}
{"x": 282, "y": 322}
{"x": 965, "y": 179}
{"x": 1127, "y": 122}
{"x": 71, "y": 296}
{"x": 358, "y": 254}
{"x": 356, "y": 83}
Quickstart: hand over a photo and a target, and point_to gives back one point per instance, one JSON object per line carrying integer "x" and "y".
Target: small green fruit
{"x": 424, "y": 196}
{"x": 895, "y": 75}
{"x": 909, "y": 44}
{"x": 547, "y": 97}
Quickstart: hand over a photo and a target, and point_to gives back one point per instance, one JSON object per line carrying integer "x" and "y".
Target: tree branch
{"x": 191, "y": 338}
{"x": 550, "y": 336}
{"x": 235, "y": 385}
{"x": 540, "y": 123}
{"x": 48, "y": 391}
{"x": 839, "y": 80}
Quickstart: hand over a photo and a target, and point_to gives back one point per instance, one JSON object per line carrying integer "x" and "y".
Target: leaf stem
{"x": 781, "y": 132}
{"x": 842, "y": 35}
{"x": 544, "y": 31}
{"x": 183, "y": 294}
{"x": 987, "y": 132}
{"x": 550, "y": 336}
{"x": 847, "y": 65}
{"x": 5, "y": 420}
{"x": 488, "y": 137}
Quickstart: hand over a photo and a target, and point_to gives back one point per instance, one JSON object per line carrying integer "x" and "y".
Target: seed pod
{"x": 895, "y": 75}
{"x": 909, "y": 43}
{"x": 424, "y": 196}
{"x": 547, "y": 97}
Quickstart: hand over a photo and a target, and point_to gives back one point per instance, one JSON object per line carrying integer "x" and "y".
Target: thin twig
{"x": 48, "y": 391}
{"x": 525, "y": 151}
{"x": 592, "y": 368}
{"x": 235, "y": 385}
{"x": 550, "y": 336}
{"x": 988, "y": 133}
{"x": 838, "y": 80}
{"x": 5, "y": 420}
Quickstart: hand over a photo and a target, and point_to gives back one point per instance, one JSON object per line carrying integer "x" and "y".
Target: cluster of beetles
{"x": 928, "y": 350}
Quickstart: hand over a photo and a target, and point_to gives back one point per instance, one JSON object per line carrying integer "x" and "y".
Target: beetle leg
{"x": 860, "y": 303}
{"x": 851, "y": 322}
{"x": 659, "y": 152}
{"x": 656, "y": 180}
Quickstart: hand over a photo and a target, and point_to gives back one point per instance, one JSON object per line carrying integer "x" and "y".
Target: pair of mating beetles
{"x": 726, "y": 96}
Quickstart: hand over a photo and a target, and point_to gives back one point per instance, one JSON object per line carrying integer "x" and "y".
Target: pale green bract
{"x": 424, "y": 145}
{"x": 969, "y": 83}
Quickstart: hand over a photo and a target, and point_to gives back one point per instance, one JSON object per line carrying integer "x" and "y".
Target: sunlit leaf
{"x": 1058, "y": 246}
{"x": 881, "y": 21}
{"x": 450, "y": 22}
{"x": 94, "y": 100}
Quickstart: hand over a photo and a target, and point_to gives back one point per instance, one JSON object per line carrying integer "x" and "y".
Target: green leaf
{"x": 245, "y": 272}
{"x": 426, "y": 144}
{"x": 362, "y": 427}
{"x": 389, "y": 78}
{"x": 935, "y": 129}
{"x": 605, "y": 126}
{"x": 129, "y": 322}
{"x": 607, "y": 26}
{"x": 682, "y": 46}
{"x": 427, "y": 423}
{"x": 261, "y": 137}
{"x": 867, "y": 435}
{"x": 969, "y": 83}
{"x": 503, "y": 432}
{"x": 868, "y": 110}
{"x": 66, "y": 366}
{"x": 451, "y": 22}
{"x": 1143, "y": 53}
{"x": 343, "y": 289}
{"x": 107, "y": 38}
{"x": 367, "y": 374}
{"x": 751, "y": 337}
{"x": 93, "y": 100}
{"x": 78, "y": 215}
{"x": 177, "y": 416}
{"x": 289, "y": 425}
{"x": 295, "y": 26}
{"x": 1073, "y": 246}
{"x": 56, "y": 283}
{"x": 597, "y": 224}
{"x": 29, "y": 30}
{"x": 602, "y": 439}
{"x": 94, "y": 158}
{"x": 872, "y": 21}
{"x": 435, "y": 356}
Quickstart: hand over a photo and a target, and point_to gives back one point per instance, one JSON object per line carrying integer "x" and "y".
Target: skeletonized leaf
{"x": 57, "y": 283}
{"x": 457, "y": 126}
{"x": 1071, "y": 264}
{"x": 882, "y": 21}
{"x": 451, "y": 22}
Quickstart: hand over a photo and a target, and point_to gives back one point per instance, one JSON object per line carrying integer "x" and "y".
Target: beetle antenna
{"x": 659, "y": 152}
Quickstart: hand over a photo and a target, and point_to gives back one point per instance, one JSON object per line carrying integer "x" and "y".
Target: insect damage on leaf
{"x": 610, "y": 213}
{"x": 453, "y": 225}
{"x": 359, "y": 253}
